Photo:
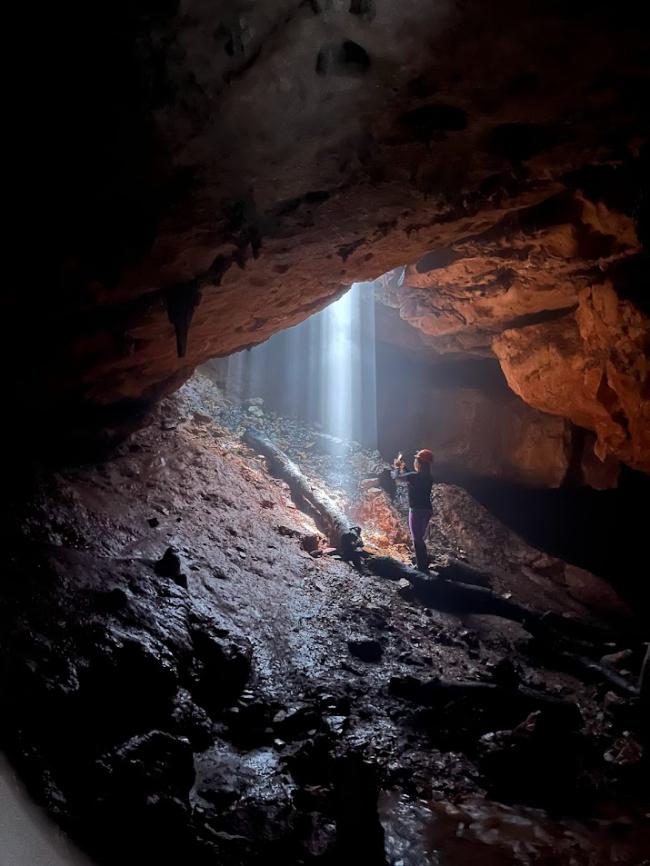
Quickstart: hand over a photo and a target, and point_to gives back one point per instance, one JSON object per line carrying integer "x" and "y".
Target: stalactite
{"x": 181, "y": 301}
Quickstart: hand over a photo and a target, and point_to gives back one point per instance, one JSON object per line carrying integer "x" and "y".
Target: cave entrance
{"x": 322, "y": 370}
{"x": 356, "y": 373}
{"x": 226, "y": 670}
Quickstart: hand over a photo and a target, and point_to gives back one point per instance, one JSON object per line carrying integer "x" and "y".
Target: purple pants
{"x": 418, "y": 521}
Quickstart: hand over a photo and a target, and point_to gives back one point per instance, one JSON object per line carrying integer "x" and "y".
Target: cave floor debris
{"x": 230, "y": 716}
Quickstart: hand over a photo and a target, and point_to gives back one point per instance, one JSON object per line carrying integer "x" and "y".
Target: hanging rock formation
{"x": 548, "y": 290}
{"x": 592, "y": 367}
{"x": 585, "y": 357}
{"x": 214, "y": 175}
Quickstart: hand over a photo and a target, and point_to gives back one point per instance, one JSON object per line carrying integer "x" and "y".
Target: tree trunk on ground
{"x": 500, "y": 700}
{"x": 456, "y": 570}
{"x": 341, "y": 533}
{"x": 554, "y": 656}
{"x": 561, "y": 642}
{"x": 449, "y": 595}
{"x": 555, "y": 638}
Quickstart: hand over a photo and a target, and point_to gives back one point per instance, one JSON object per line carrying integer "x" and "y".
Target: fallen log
{"x": 554, "y": 654}
{"x": 644, "y": 681}
{"x": 450, "y": 596}
{"x": 342, "y": 534}
{"x": 455, "y": 569}
{"x": 503, "y": 706}
{"x": 555, "y": 641}
{"x": 556, "y": 637}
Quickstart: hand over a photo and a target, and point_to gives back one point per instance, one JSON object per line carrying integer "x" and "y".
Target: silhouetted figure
{"x": 419, "y": 483}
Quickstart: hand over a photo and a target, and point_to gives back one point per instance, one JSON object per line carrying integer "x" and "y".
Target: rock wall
{"x": 477, "y": 427}
{"x": 473, "y": 433}
{"x": 550, "y": 292}
{"x": 216, "y": 174}
{"x": 590, "y": 363}
{"x": 530, "y": 265}
{"x": 592, "y": 367}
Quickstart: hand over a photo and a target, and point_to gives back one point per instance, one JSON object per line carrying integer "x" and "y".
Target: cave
{"x": 257, "y": 251}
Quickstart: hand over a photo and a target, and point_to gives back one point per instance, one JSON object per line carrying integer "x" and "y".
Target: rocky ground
{"x": 251, "y": 695}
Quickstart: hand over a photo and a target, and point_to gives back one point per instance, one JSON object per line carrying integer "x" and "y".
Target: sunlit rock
{"x": 220, "y": 174}
{"x": 591, "y": 367}
{"x": 473, "y": 433}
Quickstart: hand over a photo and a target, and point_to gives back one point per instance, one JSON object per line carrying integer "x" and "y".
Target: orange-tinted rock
{"x": 591, "y": 590}
{"x": 530, "y": 289}
{"x": 591, "y": 367}
{"x": 218, "y": 177}
{"x": 383, "y": 527}
{"x": 595, "y": 472}
{"x": 473, "y": 433}
{"x": 530, "y": 263}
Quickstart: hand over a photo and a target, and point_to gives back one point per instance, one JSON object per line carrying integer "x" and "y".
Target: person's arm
{"x": 399, "y": 471}
{"x": 403, "y": 475}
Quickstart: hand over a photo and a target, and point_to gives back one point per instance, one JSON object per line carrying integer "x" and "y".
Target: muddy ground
{"x": 252, "y": 696}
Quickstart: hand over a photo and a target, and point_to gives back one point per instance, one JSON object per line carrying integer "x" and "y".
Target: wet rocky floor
{"x": 250, "y": 696}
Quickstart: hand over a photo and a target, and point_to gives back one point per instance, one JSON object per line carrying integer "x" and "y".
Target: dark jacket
{"x": 419, "y": 487}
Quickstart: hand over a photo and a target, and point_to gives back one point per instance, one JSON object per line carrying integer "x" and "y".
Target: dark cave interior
{"x": 257, "y": 249}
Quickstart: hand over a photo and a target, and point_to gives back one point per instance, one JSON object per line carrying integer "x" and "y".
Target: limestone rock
{"x": 480, "y": 434}
{"x": 592, "y": 367}
{"x": 532, "y": 262}
{"x": 219, "y": 174}
{"x": 547, "y": 289}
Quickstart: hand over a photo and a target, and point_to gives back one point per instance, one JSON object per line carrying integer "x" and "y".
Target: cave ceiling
{"x": 217, "y": 172}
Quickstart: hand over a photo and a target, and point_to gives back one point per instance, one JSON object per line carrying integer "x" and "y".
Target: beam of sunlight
{"x": 322, "y": 370}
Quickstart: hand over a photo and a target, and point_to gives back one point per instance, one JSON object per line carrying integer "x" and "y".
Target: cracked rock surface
{"x": 225, "y": 717}
{"x": 220, "y": 173}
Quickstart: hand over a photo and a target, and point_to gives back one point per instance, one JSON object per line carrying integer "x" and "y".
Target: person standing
{"x": 419, "y": 483}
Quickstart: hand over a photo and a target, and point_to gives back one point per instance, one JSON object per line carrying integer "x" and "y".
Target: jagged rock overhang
{"x": 216, "y": 178}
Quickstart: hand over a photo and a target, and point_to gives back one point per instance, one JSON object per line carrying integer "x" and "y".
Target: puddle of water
{"x": 477, "y": 832}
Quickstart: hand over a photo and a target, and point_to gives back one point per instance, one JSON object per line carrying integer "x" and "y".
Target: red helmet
{"x": 424, "y": 455}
